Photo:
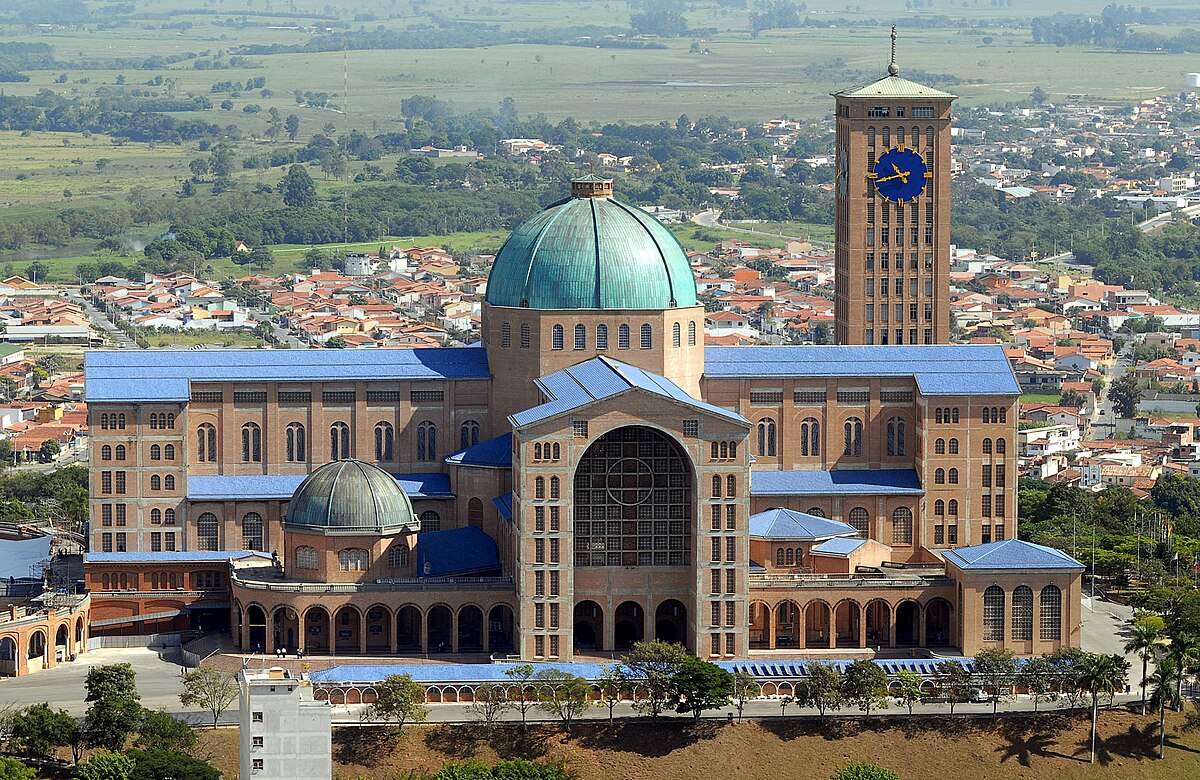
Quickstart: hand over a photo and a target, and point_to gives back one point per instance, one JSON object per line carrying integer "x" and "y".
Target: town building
{"x": 283, "y": 731}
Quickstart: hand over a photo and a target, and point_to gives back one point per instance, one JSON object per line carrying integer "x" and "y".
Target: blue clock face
{"x": 900, "y": 175}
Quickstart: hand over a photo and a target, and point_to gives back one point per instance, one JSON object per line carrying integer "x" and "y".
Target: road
{"x": 102, "y": 324}
{"x": 1107, "y": 423}
{"x": 712, "y": 218}
{"x": 281, "y": 336}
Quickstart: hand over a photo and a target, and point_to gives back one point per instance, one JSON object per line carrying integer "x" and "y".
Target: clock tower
{"x": 892, "y": 225}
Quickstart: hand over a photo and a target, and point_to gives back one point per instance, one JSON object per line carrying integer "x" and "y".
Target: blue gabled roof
{"x": 939, "y": 369}
{"x": 1011, "y": 554}
{"x": 796, "y": 526}
{"x": 503, "y": 505}
{"x": 177, "y": 556}
{"x": 282, "y": 486}
{"x": 494, "y": 454}
{"x": 165, "y": 375}
{"x": 600, "y": 378}
{"x": 456, "y": 551}
{"x": 19, "y": 556}
{"x": 867, "y": 482}
{"x": 839, "y": 546}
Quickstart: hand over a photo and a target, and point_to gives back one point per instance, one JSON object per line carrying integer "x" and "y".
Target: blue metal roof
{"x": 796, "y": 526}
{"x": 164, "y": 375}
{"x": 494, "y": 453}
{"x": 456, "y": 551}
{"x": 600, "y": 378}
{"x": 840, "y": 546}
{"x": 939, "y": 369}
{"x": 18, "y": 557}
{"x": 1011, "y": 554}
{"x": 177, "y": 556}
{"x": 503, "y": 505}
{"x": 282, "y": 486}
{"x": 869, "y": 482}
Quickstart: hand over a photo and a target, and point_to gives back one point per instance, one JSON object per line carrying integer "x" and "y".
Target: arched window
{"x": 169, "y": 517}
{"x": 106, "y": 452}
{"x": 353, "y": 559}
{"x": 896, "y": 435}
{"x": 647, "y": 336}
{"x": 154, "y": 421}
{"x": 122, "y": 453}
{"x": 723, "y": 450}
{"x": 815, "y": 511}
{"x": 169, "y": 482}
{"x": 601, "y": 337}
{"x": 339, "y": 441}
{"x": 169, "y": 451}
{"x": 939, "y": 476}
{"x": 954, "y": 415}
{"x": 121, "y": 421}
{"x": 556, "y": 452}
{"x": 692, "y": 333}
{"x": 207, "y": 532}
{"x": 1022, "y": 613}
{"x": 155, "y": 482}
{"x": 580, "y": 337}
{"x": 987, "y": 446}
{"x": 430, "y": 521}
{"x": 296, "y": 446}
{"x": 539, "y": 487}
{"x": 252, "y": 531}
{"x": 251, "y": 443}
{"x": 716, "y": 449}
{"x": 1050, "y": 619}
{"x": 623, "y": 337}
{"x": 939, "y": 447}
{"x": 170, "y": 421}
{"x": 676, "y": 334}
{"x": 505, "y": 335}
{"x": 952, "y": 477}
{"x": 426, "y": 442}
{"x": 398, "y": 556}
{"x": 306, "y": 558}
{"x": 556, "y": 337}
{"x": 206, "y": 443}
{"x": 1003, "y": 414}
{"x": 790, "y": 555}
{"x": 155, "y": 452}
{"x": 716, "y": 486}
{"x": 937, "y": 415}
{"x": 537, "y": 451}
{"x": 1000, "y": 446}
{"x": 524, "y": 335}
{"x": 810, "y": 437}
{"x": 733, "y": 450}
{"x": 860, "y": 519}
{"x": 156, "y": 516}
{"x": 993, "y": 614}
{"x": 468, "y": 434}
{"x": 954, "y": 446}
{"x": 104, "y": 422}
{"x": 385, "y": 442}
{"x": 778, "y": 556}
{"x": 554, "y": 487}
{"x": 852, "y": 437}
{"x": 902, "y": 526}
{"x": 731, "y": 486}
{"x": 952, "y": 507}
{"x": 766, "y": 437}
{"x": 475, "y": 512}
{"x": 939, "y": 507}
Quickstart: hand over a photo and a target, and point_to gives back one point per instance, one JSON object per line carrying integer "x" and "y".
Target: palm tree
{"x": 1098, "y": 676}
{"x": 1183, "y": 652}
{"x": 1144, "y": 641}
{"x": 1165, "y": 694}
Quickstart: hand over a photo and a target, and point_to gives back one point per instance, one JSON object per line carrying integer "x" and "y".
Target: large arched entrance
{"x": 627, "y": 477}
{"x": 818, "y": 625}
{"x": 316, "y": 630}
{"x": 408, "y": 628}
{"x": 8, "y": 656}
{"x": 470, "y": 629}
{"x": 379, "y": 629}
{"x": 787, "y": 624}
{"x": 62, "y": 643}
{"x": 629, "y": 625}
{"x": 500, "y": 629}
{"x": 760, "y": 626}
{"x": 589, "y": 626}
{"x": 256, "y": 627}
{"x": 670, "y": 622}
{"x": 37, "y": 650}
{"x": 908, "y": 622}
{"x": 879, "y": 623}
{"x": 937, "y": 623}
{"x": 285, "y": 625}
{"x": 847, "y": 624}
{"x": 439, "y": 622}
{"x": 348, "y": 630}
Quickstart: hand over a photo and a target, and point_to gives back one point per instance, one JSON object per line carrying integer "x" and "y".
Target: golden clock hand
{"x": 902, "y": 175}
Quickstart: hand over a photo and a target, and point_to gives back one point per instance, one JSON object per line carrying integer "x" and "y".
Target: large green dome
{"x": 591, "y": 252}
{"x": 350, "y": 496}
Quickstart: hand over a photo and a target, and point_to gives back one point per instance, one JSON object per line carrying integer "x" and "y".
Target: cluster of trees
{"x": 1111, "y": 29}
{"x": 127, "y": 117}
{"x": 61, "y": 495}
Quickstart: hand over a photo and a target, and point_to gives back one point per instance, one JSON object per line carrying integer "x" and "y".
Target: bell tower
{"x": 892, "y": 223}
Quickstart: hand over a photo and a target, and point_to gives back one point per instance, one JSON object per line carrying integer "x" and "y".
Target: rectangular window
{"x": 539, "y": 518}
{"x": 554, "y": 518}
{"x": 731, "y": 580}
{"x": 730, "y": 644}
{"x": 922, "y": 112}
{"x": 884, "y": 257}
{"x": 939, "y": 535}
{"x": 716, "y": 517}
{"x": 426, "y": 396}
{"x": 256, "y": 742}
{"x": 870, "y": 288}
{"x": 170, "y": 541}
{"x": 249, "y": 396}
{"x": 716, "y": 644}
{"x": 338, "y": 396}
{"x": 766, "y": 396}
{"x": 730, "y": 612}
{"x": 731, "y": 548}
{"x": 870, "y": 312}
{"x": 122, "y": 514}
{"x": 121, "y": 542}
{"x": 999, "y": 505}
{"x": 987, "y": 477}
{"x": 106, "y": 542}
{"x": 716, "y": 549}
{"x": 554, "y": 645}
{"x": 878, "y": 112}
{"x": 808, "y": 397}
{"x": 156, "y": 542}
{"x": 120, "y": 482}
{"x": 580, "y": 428}
{"x": 554, "y": 616}
{"x": 716, "y": 614}
{"x": 986, "y": 506}
{"x": 257, "y": 764}
{"x": 928, "y": 336}
{"x": 553, "y": 551}
{"x": 985, "y": 533}
{"x": 869, "y": 263}
{"x": 539, "y": 646}
{"x": 539, "y": 550}
{"x": 106, "y": 514}
{"x": 106, "y": 482}
{"x": 691, "y": 427}
{"x": 952, "y": 534}
{"x": 896, "y": 396}
{"x": 539, "y": 583}
{"x": 716, "y": 573}
{"x": 912, "y": 307}
{"x": 999, "y": 537}
{"x": 853, "y": 396}
{"x": 539, "y": 615}
{"x": 206, "y": 396}
{"x": 899, "y": 311}
{"x": 553, "y": 583}
{"x": 999, "y": 475}
{"x": 731, "y": 517}
{"x": 302, "y": 396}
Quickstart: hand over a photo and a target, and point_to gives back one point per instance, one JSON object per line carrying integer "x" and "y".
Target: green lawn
{"x": 193, "y": 338}
{"x": 1040, "y": 398}
{"x": 809, "y": 231}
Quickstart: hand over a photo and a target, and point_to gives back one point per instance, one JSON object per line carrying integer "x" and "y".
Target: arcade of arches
{"x": 818, "y": 624}
{"x": 33, "y": 639}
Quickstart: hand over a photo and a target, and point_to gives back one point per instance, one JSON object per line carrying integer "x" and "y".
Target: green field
{"x": 193, "y": 338}
{"x": 1040, "y": 398}
{"x": 808, "y": 231}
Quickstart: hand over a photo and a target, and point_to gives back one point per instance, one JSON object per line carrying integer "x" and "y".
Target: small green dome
{"x": 591, "y": 252}
{"x": 350, "y": 496}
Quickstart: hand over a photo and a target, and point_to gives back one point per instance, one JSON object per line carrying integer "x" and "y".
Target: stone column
{"x": 422, "y": 628}
{"x": 244, "y": 633}
{"x": 394, "y": 632}
{"x": 862, "y": 626}
{"x": 454, "y": 631}
{"x": 486, "y": 638}
{"x": 772, "y": 627}
{"x": 920, "y": 627}
{"x": 362, "y": 634}
{"x": 892, "y": 627}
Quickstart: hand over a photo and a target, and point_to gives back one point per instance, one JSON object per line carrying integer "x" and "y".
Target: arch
{"x": 580, "y": 336}
{"x": 525, "y": 335}
{"x": 354, "y": 559}
{"x": 468, "y": 434}
{"x": 676, "y": 334}
{"x": 760, "y": 625}
{"x": 629, "y": 625}
{"x": 470, "y": 629}
{"x": 155, "y": 482}
{"x": 1001, "y": 447}
{"x": 670, "y": 622}
{"x": 1050, "y": 615}
{"x": 952, "y": 507}
{"x": 766, "y": 437}
{"x": 285, "y": 626}
{"x": 438, "y": 623}
{"x": 256, "y": 628}
{"x": 852, "y": 437}
{"x": 475, "y": 513}
{"x": 878, "y": 623}
{"x": 339, "y": 441}
{"x": 398, "y": 556}
{"x": 252, "y": 531}
{"x": 306, "y": 557}
{"x": 860, "y": 519}
{"x": 647, "y": 336}
{"x": 506, "y": 335}
{"x": 426, "y": 441}
{"x": 168, "y": 452}
{"x": 500, "y": 629}
{"x": 908, "y": 623}
{"x": 897, "y": 436}
{"x": 952, "y": 476}
{"x": 939, "y": 476}
{"x": 385, "y": 442}
{"x": 62, "y": 642}
{"x": 347, "y": 629}
{"x": 939, "y": 447}
{"x": 987, "y": 446}
{"x": 556, "y": 337}
{"x": 430, "y": 521}
{"x": 788, "y": 624}
{"x": 1022, "y": 613}
{"x": 408, "y": 627}
{"x": 810, "y": 437}
{"x": 601, "y": 337}
{"x": 36, "y": 649}
{"x": 378, "y": 628}
{"x": 155, "y": 451}
{"x": 79, "y": 635}
{"x": 818, "y": 624}
{"x": 169, "y": 482}
{"x": 207, "y": 532}
{"x": 692, "y": 333}
{"x": 902, "y": 526}
{"x": 938, "y": 628}
{"x": 623, "y": 337}
{"x": 8, "y": 656}
{"x": 297, "y": 447}
{"x": 251, "y": 443}
{"x": 847, "y": 623}
{"x": 953, "y": 446}
{"x": 993, "y": 614}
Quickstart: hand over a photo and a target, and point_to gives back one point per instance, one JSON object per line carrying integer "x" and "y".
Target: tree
{"x": 563, "y": 694}
{"x": 1166, "y": 679}
{"x": 698, "y": 686}
{"x": 822, "y": 333}
{"x": 953, "y": 681}
{"x": 865, "y": 684}
{"x": 822, "y": 688}
{"x": 199, "y": 168}
{"x": 274, "y": 123}
{"x": 398, "y": 699}
{"x": 209, "y": 688}
{"x": 220, "y": 160}
{"x": 106, "y": 766}
{"x": 261, "y": 258}
{"x": 12, "y": 769}
{"x": 908, "y": 692}
{"x": 115, "y": 708}
{"x": 491, "y": 701}
{"x": 1035, "y": 677}
{"x": 297, "y": 188}
{"x": 745, "y": 688}
{"x": 162, "y": 731}
{"x": 613, "y": 685}
{"x": 169, "y": 765}
{"x": 1125, "y": 393}
{"x": 858, "y": 771}
{"x": 654, "y": 665}
{"x": 1183, "y": 652}
{"x": 522, "y": 675}
{"x": 37, "y": 730}
{"x": 49, "y": 450}
{"x": 36, "y": 270}
{"x": 996, "y": 668}
{"x": 1038, "y": 96}
{"x": 292, "y": 126}
{"x": 1145, "y": 639}
{"x": 1099, "y": 676}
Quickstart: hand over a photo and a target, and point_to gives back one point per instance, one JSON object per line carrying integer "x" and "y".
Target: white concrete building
{"x": 285, "y": 733}
{"x": 1048, "y": 440}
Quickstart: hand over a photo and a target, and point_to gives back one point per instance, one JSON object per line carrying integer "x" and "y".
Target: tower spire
{"x": 893, "y": 68}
